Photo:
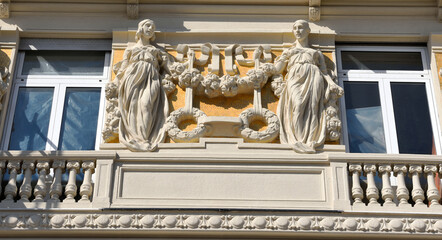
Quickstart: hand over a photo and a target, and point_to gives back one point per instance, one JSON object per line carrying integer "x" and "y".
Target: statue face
{"x": 148, "y": 30}
{"x": 300, "y": 31}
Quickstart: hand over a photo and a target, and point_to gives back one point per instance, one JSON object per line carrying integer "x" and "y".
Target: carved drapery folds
{"x": 125, "y": 96}
{"x": 307, "y": 105}
{"x": 142, "y": 101}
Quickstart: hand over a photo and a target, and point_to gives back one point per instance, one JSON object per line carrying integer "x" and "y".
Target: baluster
{"x": 28, "y": 167}
{"x": 432, "y": 191}
{"x": 356, "y": 190}
{"x": 11, "y": 187}
{"x": 56, "y": 187}
{"x": 86, "y": 187}
{"x": 372, "y": 191}
{"x": 417, "y": 193}
{"x": 387, "y": 190}
{"x": 71, "y": 187}
{"x": 402, "y": 192}
{"x": 2, "y": 170}
{"x": 41, "y": 189}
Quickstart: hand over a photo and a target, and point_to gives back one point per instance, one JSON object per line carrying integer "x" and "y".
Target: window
{"x": 388, "y": 100}
{"x": 57, "y": 100}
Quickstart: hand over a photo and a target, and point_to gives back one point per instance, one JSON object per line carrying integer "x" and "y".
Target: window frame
{"x": 384, "y": 78}
{"x": 59, "y": 83}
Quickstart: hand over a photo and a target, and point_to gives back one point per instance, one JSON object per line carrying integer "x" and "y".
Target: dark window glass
{"x": 89, "y": 63}
{"x": 364, "y": 117}
{"x": 31, "y": 119}
{"x": 80, "y": 116}
{"x": 411, "y": 61}
{"x": 412, "y": 118}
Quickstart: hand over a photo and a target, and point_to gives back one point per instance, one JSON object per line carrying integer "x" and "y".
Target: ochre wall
{"x": 439, "y": 66}
{"x": 5, "y": 57}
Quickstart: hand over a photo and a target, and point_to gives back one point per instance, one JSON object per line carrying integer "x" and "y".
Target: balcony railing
{"x": 32, "y": 178}
{"x": 96, "y": 178}
{"x": 387, "y": 194}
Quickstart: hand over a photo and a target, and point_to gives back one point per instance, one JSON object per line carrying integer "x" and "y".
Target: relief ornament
{"x": 304, "y": 107}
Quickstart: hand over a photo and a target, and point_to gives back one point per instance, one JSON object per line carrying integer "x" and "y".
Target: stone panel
{"x": 220, "y": 187}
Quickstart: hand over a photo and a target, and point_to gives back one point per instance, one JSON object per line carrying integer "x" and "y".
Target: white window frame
{"x": 384, "y": 78}
{"x": 59, "y": 83}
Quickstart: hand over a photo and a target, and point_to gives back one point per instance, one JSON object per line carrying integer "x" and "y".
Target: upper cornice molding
{"x": 314, "y": 9}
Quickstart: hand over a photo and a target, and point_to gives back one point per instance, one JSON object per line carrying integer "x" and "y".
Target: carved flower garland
{"x": 212, "y": 85}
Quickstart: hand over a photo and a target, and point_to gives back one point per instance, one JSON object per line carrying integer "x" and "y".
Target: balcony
{"x": 220, "y": 186}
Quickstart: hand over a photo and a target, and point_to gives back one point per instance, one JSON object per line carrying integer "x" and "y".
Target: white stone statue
{"x": 308, "y": 87}
{"x": 142, "y": 100}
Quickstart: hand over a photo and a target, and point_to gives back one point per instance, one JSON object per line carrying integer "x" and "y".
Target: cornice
{"x": 313, "y": 9}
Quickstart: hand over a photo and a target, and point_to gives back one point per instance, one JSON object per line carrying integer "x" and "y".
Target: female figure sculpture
{"x": 302, "y": 105}
{"x": 142, "y": 101}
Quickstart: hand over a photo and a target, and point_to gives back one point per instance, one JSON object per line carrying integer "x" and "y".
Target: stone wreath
{"x": 178, "y": 135}
{"x": 268, "y": 135}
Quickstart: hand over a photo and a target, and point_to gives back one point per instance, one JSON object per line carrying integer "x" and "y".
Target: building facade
{"x": 228, "y": 119}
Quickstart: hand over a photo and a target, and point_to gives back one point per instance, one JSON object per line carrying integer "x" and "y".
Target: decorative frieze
{"x": 202, "y": 223}
{"x": 186, "y": 68}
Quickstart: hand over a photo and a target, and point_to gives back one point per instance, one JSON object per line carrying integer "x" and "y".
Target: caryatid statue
{"x": 302, "y": 108}
{"x": 142, "y": 100}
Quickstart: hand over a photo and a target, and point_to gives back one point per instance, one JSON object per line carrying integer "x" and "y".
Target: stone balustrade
{"x": 109, "y": 179}
{"x": 422, "y": 190}
{"x": 46, "y": 177}
{"x": 49, "y": 187}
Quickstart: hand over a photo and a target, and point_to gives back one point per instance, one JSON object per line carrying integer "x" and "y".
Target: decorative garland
{"x": 180, "y": 115}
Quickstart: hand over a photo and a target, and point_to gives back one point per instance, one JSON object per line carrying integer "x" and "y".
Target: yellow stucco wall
{"x": 5, "y": 57}
{"x": 439, "y": 66}
{"x": 118, "y": 56}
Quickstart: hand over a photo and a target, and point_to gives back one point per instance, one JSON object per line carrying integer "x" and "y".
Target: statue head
{"x": 146, "y": 28}
{"x": 301, "y": 30}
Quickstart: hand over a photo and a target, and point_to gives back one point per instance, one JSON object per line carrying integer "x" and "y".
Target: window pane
{"x": 64, "y": 63}
{"x": 412, "y": 118}
{"x": 31, "y": 119}
{"x": 80, "y": 116}
{"x": 364, "y": 117}
{"x": 411, "y": 61}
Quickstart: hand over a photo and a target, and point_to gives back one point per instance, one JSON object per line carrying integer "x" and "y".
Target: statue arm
{"x": 165, "y": 61}
{"x": 281, "y": 62}
{"x": 333, "y": 87}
